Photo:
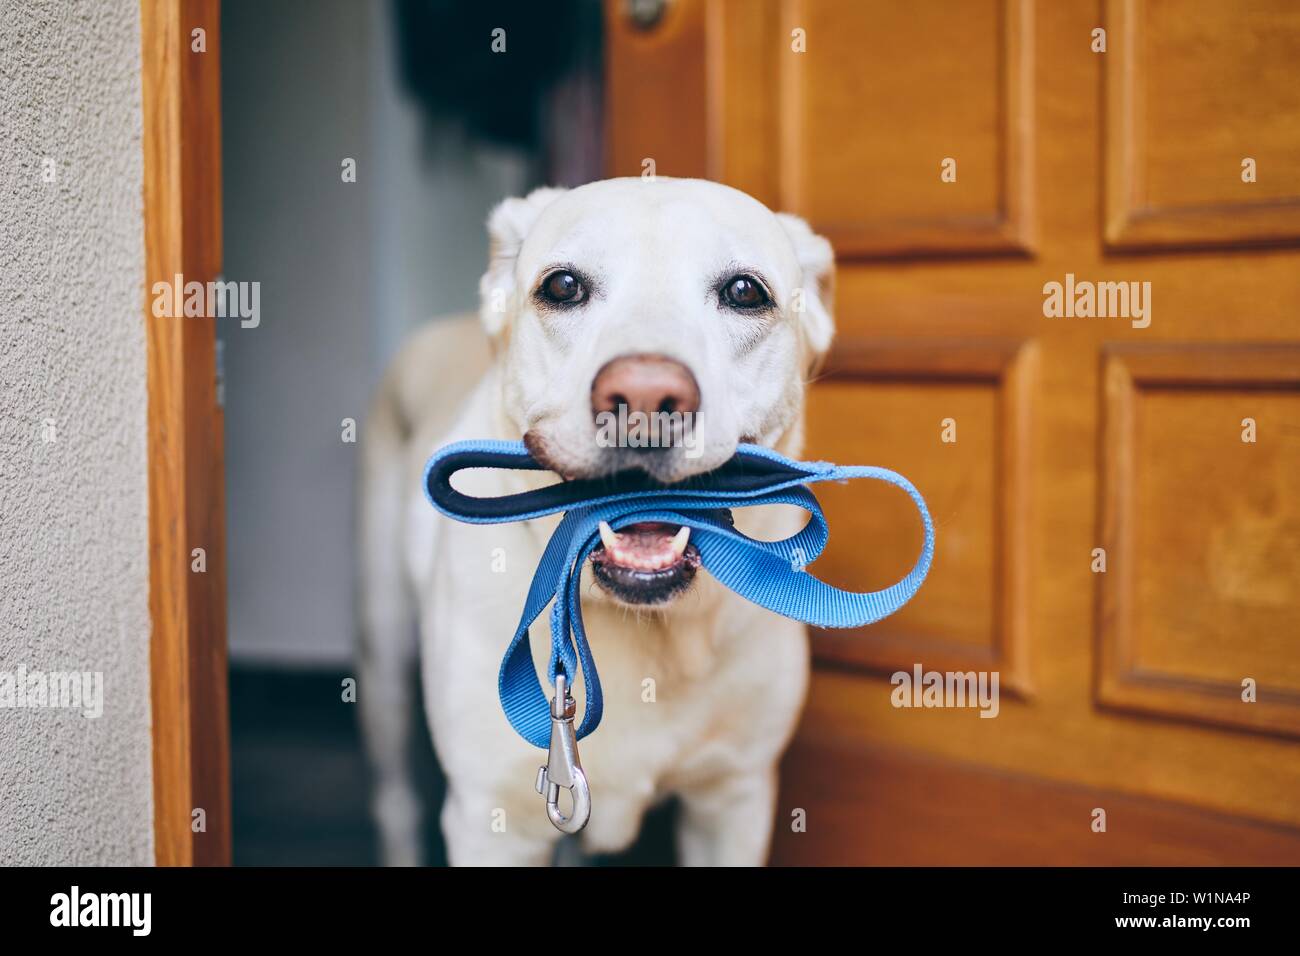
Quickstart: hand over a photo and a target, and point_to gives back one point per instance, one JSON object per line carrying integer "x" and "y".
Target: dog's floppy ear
{"x": 815, "y": 298}
{"x": 508, "y": 225}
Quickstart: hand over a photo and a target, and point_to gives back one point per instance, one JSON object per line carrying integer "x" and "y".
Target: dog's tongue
{"x": 646, "y": 546}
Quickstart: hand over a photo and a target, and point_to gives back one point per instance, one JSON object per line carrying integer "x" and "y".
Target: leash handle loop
{"x": 769, "y": 573}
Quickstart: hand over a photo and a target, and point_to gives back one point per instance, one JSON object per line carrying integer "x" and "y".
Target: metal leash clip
{"x": 563, "y": 769}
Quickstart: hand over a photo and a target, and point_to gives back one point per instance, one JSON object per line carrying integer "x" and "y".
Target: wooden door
{"x": 1166, "y": 444}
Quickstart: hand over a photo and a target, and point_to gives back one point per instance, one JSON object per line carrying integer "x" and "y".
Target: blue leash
{"x": 768, "y": 573}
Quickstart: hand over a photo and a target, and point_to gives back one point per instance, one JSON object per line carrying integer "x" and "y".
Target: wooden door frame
{"x": 181, "y": 92}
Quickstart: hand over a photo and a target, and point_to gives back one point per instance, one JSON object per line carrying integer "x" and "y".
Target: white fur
{"x": 729, "y": 678}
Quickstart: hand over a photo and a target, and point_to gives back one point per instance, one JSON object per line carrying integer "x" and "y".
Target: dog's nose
{"x": 645, "y": 383}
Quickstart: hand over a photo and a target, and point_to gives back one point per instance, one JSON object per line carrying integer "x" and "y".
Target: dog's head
{"x": 652, "y": 324}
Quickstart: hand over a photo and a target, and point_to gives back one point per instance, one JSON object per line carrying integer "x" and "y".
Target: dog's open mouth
{"x": 645, "y": 563}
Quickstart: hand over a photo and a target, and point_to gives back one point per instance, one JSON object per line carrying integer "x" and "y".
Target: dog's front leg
{"x": 481, "y": 832}
{"x": 728, "y": 822}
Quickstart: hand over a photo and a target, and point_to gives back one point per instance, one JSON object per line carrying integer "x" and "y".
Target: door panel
{"x": 1210, "y": 526}
{"x": 1121, "y": 688}
{"x": 902, "y": 399}
{"x": 850, "y": 139}
{"x": 1194, "y": 88}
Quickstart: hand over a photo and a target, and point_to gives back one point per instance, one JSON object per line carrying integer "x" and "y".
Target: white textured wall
{"x": 74, "y": 571}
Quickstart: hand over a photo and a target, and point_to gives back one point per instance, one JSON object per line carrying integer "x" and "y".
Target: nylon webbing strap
{"x": 768, "y": 573}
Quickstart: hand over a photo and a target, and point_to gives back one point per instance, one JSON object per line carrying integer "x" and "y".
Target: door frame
{"x": 181, "y": 89}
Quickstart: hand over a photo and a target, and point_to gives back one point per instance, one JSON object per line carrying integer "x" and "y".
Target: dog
{"x": 657, "y": 296}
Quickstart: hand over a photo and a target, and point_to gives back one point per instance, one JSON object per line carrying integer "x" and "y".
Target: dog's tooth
{"x": 679, "y": 540}
{"x": 608, "y": 537}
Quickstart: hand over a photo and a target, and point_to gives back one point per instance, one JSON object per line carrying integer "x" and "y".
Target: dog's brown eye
{"x": 563, "y": 288}
{"x": 744, "y": 292}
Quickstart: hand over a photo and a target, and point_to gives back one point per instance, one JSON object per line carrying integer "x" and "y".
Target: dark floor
{"x": 300, "y": 785}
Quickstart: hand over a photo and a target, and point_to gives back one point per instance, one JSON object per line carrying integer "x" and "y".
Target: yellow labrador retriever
{"x": 671, "y": 297}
